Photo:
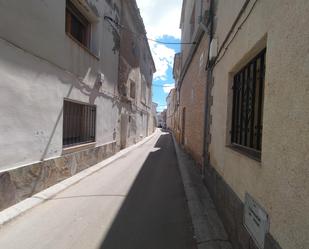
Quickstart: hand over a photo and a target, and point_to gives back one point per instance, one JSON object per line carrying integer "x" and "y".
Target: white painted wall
{"x": 40, "y": 66}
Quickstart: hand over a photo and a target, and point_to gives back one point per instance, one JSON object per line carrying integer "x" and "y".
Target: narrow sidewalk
{"x": 208, "y": 228}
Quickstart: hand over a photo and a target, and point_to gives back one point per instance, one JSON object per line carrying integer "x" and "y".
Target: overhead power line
{"x": 109, "y": 19}
{"x": 177, "y": 43}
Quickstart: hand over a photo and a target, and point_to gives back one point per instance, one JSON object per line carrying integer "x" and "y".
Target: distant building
{"x": 75, "y": 88}
{"x": 175, "y": 114}
{"x": 190, "y": 76}
{"x": 161, "y": 116}
{"x": 154, "y": 123}
{"x": 171, "y": 110}
{"x": 136, "y": 68}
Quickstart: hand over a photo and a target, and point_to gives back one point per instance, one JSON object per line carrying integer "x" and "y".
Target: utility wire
{"x": 144, "y": 36}
{"x": 235, "y": 34}
{"x": 177, "y": 43}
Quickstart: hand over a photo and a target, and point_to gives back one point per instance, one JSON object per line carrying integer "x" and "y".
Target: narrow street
{"x": 136, "y": 202}
{"x": 89, "y": 89}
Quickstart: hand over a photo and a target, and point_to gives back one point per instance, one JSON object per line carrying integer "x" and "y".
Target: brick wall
{"x": 192, "y": 98}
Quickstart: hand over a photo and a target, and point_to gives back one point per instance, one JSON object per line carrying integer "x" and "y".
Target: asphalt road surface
{"x": 137, "y": 202}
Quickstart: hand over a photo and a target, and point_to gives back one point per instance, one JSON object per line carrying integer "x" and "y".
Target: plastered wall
{"x": 39, "y": 67}
{"x": 280, "y": 181}
{"x": 136, "y": 65}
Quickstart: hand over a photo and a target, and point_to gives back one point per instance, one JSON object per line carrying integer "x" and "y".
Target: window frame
{"x": 247, "y": 107}
{"x": 84, "y": 128}
{"x": 72, "y": 11}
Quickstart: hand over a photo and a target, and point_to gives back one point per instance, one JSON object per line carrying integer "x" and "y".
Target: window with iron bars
{"x": 248, "y": 97}
{"x": 79, "y": 123}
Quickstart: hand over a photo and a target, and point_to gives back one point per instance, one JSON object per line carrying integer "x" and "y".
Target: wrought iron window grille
{"x": 79, "y": 123}
{"x": 247, "y": 113}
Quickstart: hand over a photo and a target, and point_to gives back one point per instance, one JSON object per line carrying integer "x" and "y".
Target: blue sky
{"x": 162, "y": 85}
{"x": 161, "y": 19}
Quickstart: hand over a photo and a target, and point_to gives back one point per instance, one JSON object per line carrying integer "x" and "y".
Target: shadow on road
{"x": 154, "y": 214}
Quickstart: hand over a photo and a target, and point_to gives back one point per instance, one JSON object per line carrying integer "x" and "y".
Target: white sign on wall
{"x": 255, "y": 220}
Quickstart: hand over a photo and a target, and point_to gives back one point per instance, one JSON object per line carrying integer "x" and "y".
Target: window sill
{"x": 251, "y": 153}
{"x": 78, "y": 147}
{"x": 83, "y": 46}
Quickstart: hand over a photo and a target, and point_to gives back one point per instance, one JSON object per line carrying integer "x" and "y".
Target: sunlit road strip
{"x": 136, "y": 201}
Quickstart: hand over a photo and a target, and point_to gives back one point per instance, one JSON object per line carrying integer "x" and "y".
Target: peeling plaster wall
{"x": 40, "y": 66}
{"x": 135, "y": 65}
{"x": 171, "y": 107}
{"x": 280, "y": 181}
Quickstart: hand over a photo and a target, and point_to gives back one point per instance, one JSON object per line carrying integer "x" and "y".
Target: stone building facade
{"x": 136, "y": 68}
{"x": 174, "y": 113}
{"x": 256, "y": 119}
{"x": 60, "y": 101}
{"x": 154, "y": 121}
{"x": 161, "y": 117}
{"x": 171, "y": 110}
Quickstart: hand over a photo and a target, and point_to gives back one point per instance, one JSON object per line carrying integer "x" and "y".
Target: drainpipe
{"x": 207, "y": 93}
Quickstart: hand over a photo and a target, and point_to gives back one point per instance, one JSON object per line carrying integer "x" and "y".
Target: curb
{"x": 208, "y": 228}
{"x": 20, "y": 208}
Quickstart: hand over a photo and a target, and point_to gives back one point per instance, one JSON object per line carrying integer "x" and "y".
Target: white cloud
{"x": 161, "y": 108}
{"x": 163, "y": 58}
{"x": 168, "y": 87}
{"x": 161, "y": 17}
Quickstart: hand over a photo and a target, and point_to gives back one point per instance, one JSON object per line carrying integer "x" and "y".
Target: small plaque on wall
{"x": 256, "y": 221}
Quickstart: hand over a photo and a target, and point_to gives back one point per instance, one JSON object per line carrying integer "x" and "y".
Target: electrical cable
{"x": 239, "y": 27}
{"x": 144, "y": 36}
